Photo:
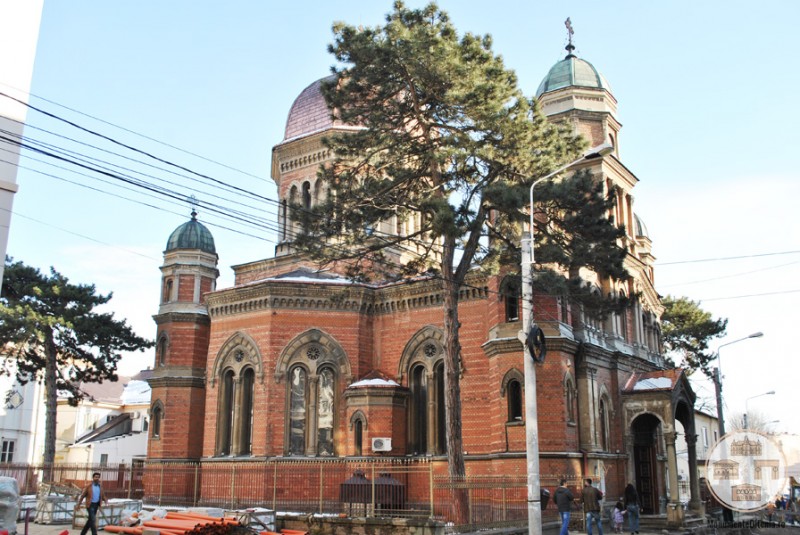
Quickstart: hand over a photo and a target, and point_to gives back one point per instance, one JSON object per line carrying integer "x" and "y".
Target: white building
{"x": 19, "y": 32}
{"x": 21, "y": 421}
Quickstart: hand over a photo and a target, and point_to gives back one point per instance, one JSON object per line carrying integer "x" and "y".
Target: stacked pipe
{"x": 182, "y": 524}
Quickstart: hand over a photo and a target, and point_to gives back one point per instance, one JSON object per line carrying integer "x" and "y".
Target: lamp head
{"x": 599, "y": 151}
{"x": 756, "y": 335}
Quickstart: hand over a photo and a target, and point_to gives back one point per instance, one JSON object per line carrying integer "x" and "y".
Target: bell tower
{"x": 177, "y": 409}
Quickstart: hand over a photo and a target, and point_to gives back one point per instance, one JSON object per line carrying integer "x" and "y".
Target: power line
{"x": 723, "y": 258}
{"x": 782, "y": 292}
{"x": 734, "y": 275}
{"x": 139, "y": 134}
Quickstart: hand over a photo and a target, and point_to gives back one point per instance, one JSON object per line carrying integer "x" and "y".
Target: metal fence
{"x": 358, "y": 488}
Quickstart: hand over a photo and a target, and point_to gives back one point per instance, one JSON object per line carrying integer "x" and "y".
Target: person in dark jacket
{"x": 591, "y": 507}
{"x": 632, "y": 506}
{"x": 564, "y": 499}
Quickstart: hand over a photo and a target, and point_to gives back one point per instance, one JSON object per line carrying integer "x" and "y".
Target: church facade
{"x": 293, "y": 362}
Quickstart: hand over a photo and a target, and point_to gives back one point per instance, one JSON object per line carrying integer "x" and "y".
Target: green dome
{"x": 575, "y": 72}
{"x": 192, "y": 235}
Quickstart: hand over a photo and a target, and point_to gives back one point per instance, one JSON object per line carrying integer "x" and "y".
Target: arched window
{"x": 161, "y": 350}
{"x": 225, "y": 420}
{"x": 358, "y": 423}
{"x": 156, "y": 415}
{"x": 570, "y": 395}
{"x": 306, "y": 195}
{"x": 514, "y": 398}
{"x": 419, "y": 410}
{"x": 244, "y": 413}
{"x": 603, "y": 427}
{"x": 510, "y": 290}
{"x": 284, "y": 219}
{"x": 440, "y": 440}
{"x": 358, "y": 437}
{"x": 325, "y": 414}
{"x": 167, "y": 297}
{"x": 313, "y": 366}
{"x": 297, "y": 411}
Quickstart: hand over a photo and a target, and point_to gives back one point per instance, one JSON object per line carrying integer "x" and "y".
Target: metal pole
{"x": 531, "y": 413}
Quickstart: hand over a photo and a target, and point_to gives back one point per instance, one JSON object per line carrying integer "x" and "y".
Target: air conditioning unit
{"x": 135, "y": 415}
{"x": 382, "y": 444}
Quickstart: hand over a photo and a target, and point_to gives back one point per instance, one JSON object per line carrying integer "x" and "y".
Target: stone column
{"x": 674, "y": 507}
{"x": 430, "y": 388}
{"x": 695, "y": 503}
{"x": 236, "y": 420}
{"x": 587, "y": 420}
{"x": 311, "y": 416}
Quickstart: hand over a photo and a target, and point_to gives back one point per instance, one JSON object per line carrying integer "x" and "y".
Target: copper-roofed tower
{"x": 178, "y": 381}
{"x": 574, "y": 91}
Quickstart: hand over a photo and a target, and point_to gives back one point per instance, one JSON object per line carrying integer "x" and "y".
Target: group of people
{"x": 786, "y": 508}
{"x": 591, "y": 497}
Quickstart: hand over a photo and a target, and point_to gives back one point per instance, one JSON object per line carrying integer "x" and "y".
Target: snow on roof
{"x": 374, "y": 382}
{"x": 136, "y": 392}
{"x": 652, "y": 383}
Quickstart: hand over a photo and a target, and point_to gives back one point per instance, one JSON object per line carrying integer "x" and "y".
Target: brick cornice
{"x": 358, "y": 298}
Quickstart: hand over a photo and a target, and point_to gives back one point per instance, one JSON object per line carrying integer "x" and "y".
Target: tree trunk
{"x": 50, "y": 403}
{"x": 452, "y": 385}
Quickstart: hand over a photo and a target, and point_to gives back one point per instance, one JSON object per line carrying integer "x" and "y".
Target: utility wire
{"x": 215, "y": 162}
{"x": 723, "y": 258}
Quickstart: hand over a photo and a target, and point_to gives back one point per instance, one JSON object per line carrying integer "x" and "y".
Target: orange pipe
{"x": 172, "y": 524}
{"x": 124, "y": 529}
{"x": 198, "y": 516}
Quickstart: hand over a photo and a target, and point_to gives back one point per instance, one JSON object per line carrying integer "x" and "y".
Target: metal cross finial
{"x": 193, "y": 203}
{"x": 570, "y": 32}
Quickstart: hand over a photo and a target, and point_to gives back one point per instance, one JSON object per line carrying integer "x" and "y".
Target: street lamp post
{"x": 727, "y": 514}
{"x": 718, "y": 381}
{"x": 747, "y": 411}
{"x": 531, "y": 414}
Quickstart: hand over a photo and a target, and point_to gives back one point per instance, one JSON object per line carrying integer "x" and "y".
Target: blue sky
{"x": 707, "y": 98}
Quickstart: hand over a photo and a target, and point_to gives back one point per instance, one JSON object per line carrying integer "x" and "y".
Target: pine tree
{"x": 50, "y": 332}
{"x": 687, "y": 329}
{"x": 439, "y": 133}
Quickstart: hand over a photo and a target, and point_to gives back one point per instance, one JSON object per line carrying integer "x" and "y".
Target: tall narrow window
{"x": 325, "y": 412}
{"x": 167, "y": 297}
{"x": 511, "y": 292}
{"x": 245, "y": 416}
{"x": 162, "y": 350}
{"x": 358, "y": 437}
{"x": 514, "y": 397}
{"x": 297, "y": 411}
{"x": 226, "y": 414}
{"x": 419, "y": 411}
{"x": 441, "y": 418}
{"x": 284, "y": 219}
{"x": 306, "y": 195}
{"x": 569, "y": 392}
{"x": 156, "y": 417}
{"x": 603, "y": 410}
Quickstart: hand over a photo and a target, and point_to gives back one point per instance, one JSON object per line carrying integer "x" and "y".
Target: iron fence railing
{"x": 410, "y": 488}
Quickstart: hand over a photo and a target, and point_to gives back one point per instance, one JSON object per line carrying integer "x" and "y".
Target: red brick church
{"x": 293, "y": 362}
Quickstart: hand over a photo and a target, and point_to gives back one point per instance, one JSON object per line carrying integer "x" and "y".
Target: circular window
{"x": 313, "y": 352}
{"x": 430, "y": 350}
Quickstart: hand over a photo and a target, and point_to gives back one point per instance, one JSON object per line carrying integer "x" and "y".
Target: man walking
{"x": 591, "y": 507}
{"x": 94, "y": 495}
{"x": 564, "y": 500}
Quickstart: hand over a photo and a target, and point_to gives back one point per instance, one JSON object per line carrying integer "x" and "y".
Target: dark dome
{"x": 572, "y": 72}
{"x": 192, "y": 235}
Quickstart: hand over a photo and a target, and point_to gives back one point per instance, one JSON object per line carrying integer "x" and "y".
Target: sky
{"x": 706, "y": 94}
